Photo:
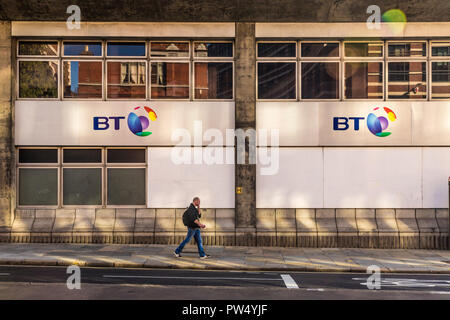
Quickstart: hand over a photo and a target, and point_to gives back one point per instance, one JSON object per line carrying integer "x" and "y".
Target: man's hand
{"x": 203, "y": 226}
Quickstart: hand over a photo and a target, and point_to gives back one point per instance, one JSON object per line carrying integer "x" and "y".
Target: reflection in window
{"x": 407, "y": 80}
{"x": 38, "y": 79}
{"x": 38, "y": 48}
{"x": 440, "y": 49}
{"x": 276, "y": 80}
{"x": 82, "y": 186}
{"x": 88, "y": 49}
{"x": 320, "y": 80}
{"x": 82, "y": 79}
{"x": 213, "y": 80}
{"x": 363, "y": 80}
{"x": 408, "y": 49}
{"x": 169, "y": 80}
{"x": 126, "y": 80}
{"x": 126, "y": 49}
{"x": 271, "y": 49}
{"x": 363, "y": 49}
{"x": 213, "y": 49}
{"x": 320, "y": 49}
{"x": 440, "y": 85}
{"x": 126, "y": 186}
{"x": 169, "y": 49}
{"x": 38, "y": 186}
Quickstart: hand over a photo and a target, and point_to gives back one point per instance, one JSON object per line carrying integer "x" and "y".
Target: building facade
{"x": 308, "y": 131}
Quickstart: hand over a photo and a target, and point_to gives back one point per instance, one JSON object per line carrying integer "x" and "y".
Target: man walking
{"x": 191, "y": 220}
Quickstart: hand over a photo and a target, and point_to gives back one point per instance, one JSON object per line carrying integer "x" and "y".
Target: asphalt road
{"x": 31, "y": 282}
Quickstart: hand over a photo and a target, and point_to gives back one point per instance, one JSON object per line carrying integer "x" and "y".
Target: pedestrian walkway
{"x": 227, "y": 258}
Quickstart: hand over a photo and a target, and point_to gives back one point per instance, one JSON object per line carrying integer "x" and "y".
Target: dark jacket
{"x": 190, "y": 215}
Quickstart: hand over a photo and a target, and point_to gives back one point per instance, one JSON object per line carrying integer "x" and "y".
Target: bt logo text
{"x": 103, "y": 123}
{"x": 343, "y": 123}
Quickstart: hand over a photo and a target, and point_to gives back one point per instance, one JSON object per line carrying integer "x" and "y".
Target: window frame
{"x": 87, "y": 166}
{"x": 144, "y": 57}
{"x": 381, "y": 42}
{"x": 427, "y": 80}
{"x": 301, "y": 58}
{"x": 53, "y": 164}
{"x": 383, "y": 78}
{"x": 297, "y": 53}
{"x": 430, "y": 67}
{"x": 388, "y": 42}
{"x": 340, "y": 84}
{"x": 194, "y": 57}
{"x": 151, "y": 58}
{"x": 146, "y": 191}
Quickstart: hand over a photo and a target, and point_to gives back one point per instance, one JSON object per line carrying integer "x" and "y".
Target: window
{"x": 38, "y": 79}
{"x": 320, "y": 80}
{"x": 115, "y": 69}
{"x": 38, "y": 186}
{"x": 363, "y": 49}
{"x": 440, "y": 49}
{"x": 83, "y": 79}
{"x": 126, "y": 80}
{"x": 85, "y": 49}
{"x": 170, "y": 80}
{"x": 440, "y": 80}
{"x": 126, "y": 49}
{"x": 169, "y": 49}
{"x": 87, "y": 178}
{"x": 407, "y": 80}
{"x": 213, "y": 49}
{"x": 319, "y": 49}
{"x": 276, "y": 80}
{"x": 38, "y": 48}
{"x": 213, "y": 80}
{"x": 363, "y": 80}
{"x": 273, "y": 49}
{"x": 407, "y": 49}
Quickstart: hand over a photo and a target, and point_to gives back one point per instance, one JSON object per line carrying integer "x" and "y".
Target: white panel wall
{"x": 436, "y": 171}
{"x": 174, "y": 185}
{"x": 357, "y": 177}
{"x": 298, "y": 183}
{"x": 372, "y": 178}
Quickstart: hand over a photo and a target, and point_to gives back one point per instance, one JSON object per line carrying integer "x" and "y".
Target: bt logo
{"x": 136, "y": 123}
{"x": 375, "y": 124}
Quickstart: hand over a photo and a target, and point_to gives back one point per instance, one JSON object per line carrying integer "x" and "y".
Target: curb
{"x": 104, "y": 264}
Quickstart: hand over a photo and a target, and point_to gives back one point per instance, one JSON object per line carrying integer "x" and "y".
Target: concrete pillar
{"x": 7, "y": 193}
{"x": 245, "y": 118}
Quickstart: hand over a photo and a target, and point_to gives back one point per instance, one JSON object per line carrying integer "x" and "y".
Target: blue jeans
{"x": 198, "y": 238}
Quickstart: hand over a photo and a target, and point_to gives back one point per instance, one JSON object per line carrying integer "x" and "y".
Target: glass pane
{"x": 38, "y": 155}
{"x": 126, "y": 49}
{"x": 126, "y": 80}
{"x": 38, "y": 48}
{"x": 169, "y": 49}
{"x": 440, "y": 49}
{"x": 213, "y": 49}
{"x": 407, "y": 49}
{"x": 38, "y": 79}
{"x": 170, "y": 80}
{"x": 407, "y": 80}
{"x": 38, "y": 187}
{"x": 82, "y": 155}
{"x": 323, "y": 49}
{"x": 320, "y": 80}
{"x": 440, "y": 85}
{"x": 126, "y": 155}
{"x": 82, "y": 79}
{"x": 82, "y": 186}
{"x": 366, "y": 49}
{"x": 83, "y": 49}
{"x": 276, "y": 80}
{"x": 363, "y": 80}
{"x": 213, "y": 80}
{"x": 277, "y": 50}
{"x": 126, "y": 186}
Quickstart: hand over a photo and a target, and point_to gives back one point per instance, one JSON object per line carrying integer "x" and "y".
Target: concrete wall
{"x": 6, "y": 124}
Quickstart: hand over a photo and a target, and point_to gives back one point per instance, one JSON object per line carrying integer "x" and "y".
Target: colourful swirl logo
{"x": 377, "y": 124}
{"x": 137, "y": 124}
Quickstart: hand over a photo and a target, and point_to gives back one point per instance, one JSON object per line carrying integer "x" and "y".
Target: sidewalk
{"x": 227, "y": 258}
